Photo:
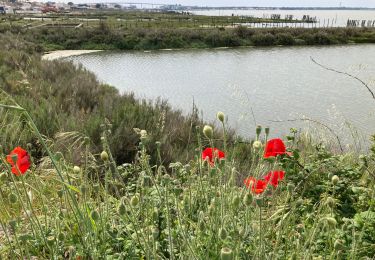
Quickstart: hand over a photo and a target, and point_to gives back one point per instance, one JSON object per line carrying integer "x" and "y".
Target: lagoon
{"x": 253, "y": 85}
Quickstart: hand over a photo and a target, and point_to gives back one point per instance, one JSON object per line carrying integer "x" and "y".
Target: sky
{"x": 276, "y": 3}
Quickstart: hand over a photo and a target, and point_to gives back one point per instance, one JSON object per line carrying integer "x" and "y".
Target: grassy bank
{"x": 143, "y": 31}
{"x": 69, "y": 105}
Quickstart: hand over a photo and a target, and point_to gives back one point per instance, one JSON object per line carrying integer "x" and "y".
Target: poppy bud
{"x": 104, "y": 156}
{"x": 50, "y": 240}
{"x": 236, "y": 201}
{"x": 208, "y": 131}
{"x": 248, "y": 199}
{"x": 121, "y": 210}
{"x": 335, "y": 179}
{"x": 134, "y": 201}
{"x": 226, "y": 254}
{"x": 76, "y": 169}
{"x": 95, "y": 215}
{"x": 220, "y": 116}
{"x": 330, "y": 202}
{"x": 222, "y": 233}
{"x": 13, "y": 198}
{"x": 257, "y": 145}
{"x": 158, "y": 144}
{"x": 61, "y": 236}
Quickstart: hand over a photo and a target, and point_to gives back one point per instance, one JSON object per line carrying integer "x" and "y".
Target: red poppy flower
{"x": 257, "y": 186}
{"x": 211, "y": 153}
{"x": 274, "y": 148}
{"x": 23, "y": 161}
{"x": 274, "y": 177}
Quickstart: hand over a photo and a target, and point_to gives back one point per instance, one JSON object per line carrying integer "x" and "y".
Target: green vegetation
{"x": 323, "y": 208}
{"x": 69, "y": 104}
{"x": 148, "y": 31}
{"x": 116, "y": 178}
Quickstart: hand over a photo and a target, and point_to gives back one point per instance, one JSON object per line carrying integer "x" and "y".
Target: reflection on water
{"x": 277, "y": 84}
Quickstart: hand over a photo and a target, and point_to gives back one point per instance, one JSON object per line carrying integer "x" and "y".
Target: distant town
{"x": 31, "y": 7}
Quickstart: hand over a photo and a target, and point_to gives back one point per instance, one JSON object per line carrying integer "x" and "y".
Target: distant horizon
{"x": 247, "y": 3}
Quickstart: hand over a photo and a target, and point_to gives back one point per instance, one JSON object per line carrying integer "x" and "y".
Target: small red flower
{"x": 211, "y": 153}
{"x": 257, "y": 186}
{"x": 23, "y": 161}
{"x": 274, "y": 148}
{"x": 274, "y": 177}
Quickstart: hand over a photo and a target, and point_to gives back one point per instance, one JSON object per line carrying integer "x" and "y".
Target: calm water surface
{"x": 275, "y": 83}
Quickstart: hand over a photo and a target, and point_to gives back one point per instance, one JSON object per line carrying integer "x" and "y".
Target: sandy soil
{"x": 65, "y": 53}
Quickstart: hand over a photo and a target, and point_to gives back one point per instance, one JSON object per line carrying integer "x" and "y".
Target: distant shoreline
{"x": 53, "y": 55}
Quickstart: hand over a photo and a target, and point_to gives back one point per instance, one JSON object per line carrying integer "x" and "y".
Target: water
{"x": 278, "y": 83}
{"x": 326, "y": 18}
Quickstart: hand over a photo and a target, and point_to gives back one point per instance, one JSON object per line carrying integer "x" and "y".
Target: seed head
{"x": 220, "y": 116}
{"x": 208, "y": 131}
{"x": 267, "y": 131}
{"x": 258, "y": 130}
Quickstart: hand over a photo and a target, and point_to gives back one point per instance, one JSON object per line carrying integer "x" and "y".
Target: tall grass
{"x": 188, "y": 210}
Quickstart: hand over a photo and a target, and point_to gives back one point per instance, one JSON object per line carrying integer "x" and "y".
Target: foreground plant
{"x": 287, "y": 205}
